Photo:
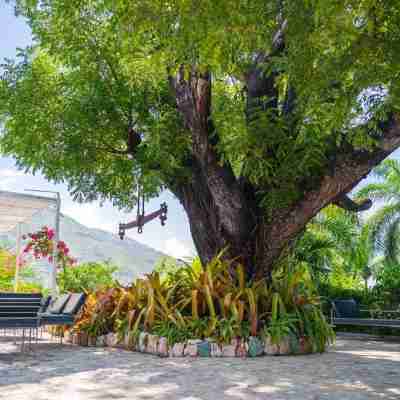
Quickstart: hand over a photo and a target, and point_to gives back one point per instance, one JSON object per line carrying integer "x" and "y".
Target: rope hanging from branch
{"x": 141, "y": 218}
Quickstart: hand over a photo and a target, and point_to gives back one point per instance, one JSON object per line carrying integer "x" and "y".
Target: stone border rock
{"x": 152, "y": 344}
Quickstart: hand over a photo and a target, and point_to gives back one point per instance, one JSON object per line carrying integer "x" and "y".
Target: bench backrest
{"x": 20, "y": 305}
{"x": 347, "y": 308}
{"x": 69, "y": 304}
{"x": 74, "y": 303}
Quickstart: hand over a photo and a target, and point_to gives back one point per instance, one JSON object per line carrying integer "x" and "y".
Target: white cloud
{"x": 9, "y": 178}
{"x": 177, "y": 249}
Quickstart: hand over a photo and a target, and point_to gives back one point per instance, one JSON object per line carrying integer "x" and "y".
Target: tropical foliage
{"x": 384, "y": 224}
{"x": 201, "y": 302}
{"x": 248, "y": 111}
{"x": 86, "y": 277}
{"x": 358, "y": 257}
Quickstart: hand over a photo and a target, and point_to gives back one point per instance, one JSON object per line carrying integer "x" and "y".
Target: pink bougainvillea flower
{"x": 41, "y": 244}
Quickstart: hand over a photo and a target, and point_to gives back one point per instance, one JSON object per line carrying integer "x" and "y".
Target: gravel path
{"x": 353, "y": 369}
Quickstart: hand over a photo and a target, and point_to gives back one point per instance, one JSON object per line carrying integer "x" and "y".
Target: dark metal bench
{"x": 19, "y": 311}
{"x": 62, "y": 310}
{"x": 30, "y": 311}
{"x": 347, "y": 312}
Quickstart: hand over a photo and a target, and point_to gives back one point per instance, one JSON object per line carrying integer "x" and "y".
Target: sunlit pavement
{"x": 353, "y": 369}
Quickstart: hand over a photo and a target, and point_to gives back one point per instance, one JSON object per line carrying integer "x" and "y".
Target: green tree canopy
{"x": 254, "y": 114}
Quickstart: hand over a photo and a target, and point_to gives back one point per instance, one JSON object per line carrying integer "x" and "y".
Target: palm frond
{"x": 380, "y": 222}
{"x": 387, "y": 167}
{"x": 391, "y": 241}
{"x": 377, "y": 191}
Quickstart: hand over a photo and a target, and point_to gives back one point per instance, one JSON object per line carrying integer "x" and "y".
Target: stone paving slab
{"x": 353, "y": 369}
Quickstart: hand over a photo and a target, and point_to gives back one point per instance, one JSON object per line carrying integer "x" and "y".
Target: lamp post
{"x": 53, "y": 274}
{"x": 18, "y": 257}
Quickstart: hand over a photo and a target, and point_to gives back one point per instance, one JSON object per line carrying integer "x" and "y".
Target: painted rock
{"x": 256, "y": 347}
{"x": 191, "y": 348}
{"x": 152, "y": 344}
{"x": 142, "y": 342}
{"x": 92, "y": 340}
{"x": 129, "y": 341}
{"x": 162, "y": 348}
{"x": 285, "y": 347}
{"x": 294, "y": 344}
{"x": 306, "y": 346}
{"x": 242, "y": 349}
{"x": 177, "y": 350}
{"x": 83, "y": 339}
{"x": 204, "y": 349}
{"x": 101, "y": 341}
{"x": 111, "y": 340}
{"x": 216, "y": 350}
{"x": 270, "y": 348}
{"x": 228, "y": 350}
{"x": 75, "y": 338}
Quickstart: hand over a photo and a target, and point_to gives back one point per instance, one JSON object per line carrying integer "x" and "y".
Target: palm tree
{"x": 331, "y": 238}
{"x": 336, "y": 238}
{"x": 384, "y": 224}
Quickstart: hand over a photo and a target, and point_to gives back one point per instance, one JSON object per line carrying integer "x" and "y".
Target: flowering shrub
{"x": 41, "y": 245}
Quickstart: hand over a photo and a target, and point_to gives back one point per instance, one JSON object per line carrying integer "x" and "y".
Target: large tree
{"x": 255, "y": 114}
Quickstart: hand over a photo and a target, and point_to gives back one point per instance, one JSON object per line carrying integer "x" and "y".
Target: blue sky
{"x": 174, "y": 238}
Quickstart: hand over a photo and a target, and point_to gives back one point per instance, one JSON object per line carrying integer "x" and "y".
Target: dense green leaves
{"x": 99, "y": 68}
{"x": 87, "y": 277}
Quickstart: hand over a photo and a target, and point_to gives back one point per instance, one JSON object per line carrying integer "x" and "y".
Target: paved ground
{"x": 353, "y": 370}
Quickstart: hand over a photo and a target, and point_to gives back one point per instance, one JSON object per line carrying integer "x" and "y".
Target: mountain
{"x": 88, "y": 244}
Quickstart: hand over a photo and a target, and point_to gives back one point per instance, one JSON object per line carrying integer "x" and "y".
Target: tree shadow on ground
{"x": 352, "y": 370}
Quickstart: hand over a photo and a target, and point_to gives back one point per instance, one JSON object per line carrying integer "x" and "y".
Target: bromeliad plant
{"x": 196, "y": 302}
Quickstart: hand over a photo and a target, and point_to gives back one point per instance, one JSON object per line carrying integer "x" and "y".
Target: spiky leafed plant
{"x": 384, "y": 224}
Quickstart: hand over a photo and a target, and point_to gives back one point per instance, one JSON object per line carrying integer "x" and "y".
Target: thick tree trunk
{"x": 222, "y": 215}
{"x": 218, "y": 221}
{"x": 222, "y": 208}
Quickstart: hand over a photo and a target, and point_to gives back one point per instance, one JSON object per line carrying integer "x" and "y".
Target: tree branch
{"x": 192, "y": 92}
{"x": 345, "y": 202}
{"x": 260, "y": 86}
{"x": 352, "y": 165}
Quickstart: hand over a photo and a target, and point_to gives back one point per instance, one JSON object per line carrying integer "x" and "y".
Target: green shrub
{"x": 87, "y": 277}
{"x": 387, "y": 287}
